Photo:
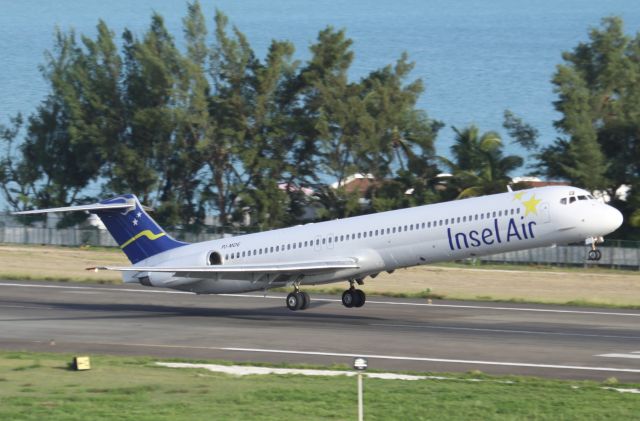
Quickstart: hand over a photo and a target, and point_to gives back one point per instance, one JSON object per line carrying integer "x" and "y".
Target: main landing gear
{"x": 298, "y": 300}
{"x": 353, "y": 297}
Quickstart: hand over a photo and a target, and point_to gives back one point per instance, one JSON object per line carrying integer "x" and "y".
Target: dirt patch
{"x": 529, "y": 284}
{"x": 58, "y": 263}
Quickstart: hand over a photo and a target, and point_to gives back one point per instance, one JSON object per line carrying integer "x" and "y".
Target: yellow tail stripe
{"x": 146, "y": 233}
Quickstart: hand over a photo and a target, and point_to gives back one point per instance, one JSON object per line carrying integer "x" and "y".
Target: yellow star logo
{"x": 530, "y": 205}
{"x": 518, "y": 196}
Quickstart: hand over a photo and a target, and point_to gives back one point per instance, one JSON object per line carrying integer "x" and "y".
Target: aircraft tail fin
{"x": 137, "y": 234}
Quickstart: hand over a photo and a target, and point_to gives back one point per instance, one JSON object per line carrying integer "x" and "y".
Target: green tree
{"x": 599, "y": 99}
{"x": 60, "y": 153}
{"x": 216, "y": 128}
{"x": 479, "y": 165}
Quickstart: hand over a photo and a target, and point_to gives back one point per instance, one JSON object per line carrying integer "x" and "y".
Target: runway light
{"x": 360, "y": 364}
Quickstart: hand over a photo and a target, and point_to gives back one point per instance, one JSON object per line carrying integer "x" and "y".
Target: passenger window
{"x": 359, "y": 235}
{"x": 423, "y": 225}
{"x": 458, "y": 220}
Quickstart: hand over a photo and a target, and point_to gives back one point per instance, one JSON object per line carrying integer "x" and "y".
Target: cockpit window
{"x": 582, "y": 197}
{"x": 572, "y": 199}
{"x": 591, "y": 197}
{"x": 563, "y": 201}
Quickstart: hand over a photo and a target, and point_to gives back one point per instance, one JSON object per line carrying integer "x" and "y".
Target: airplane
{"x": 350, "y": 249}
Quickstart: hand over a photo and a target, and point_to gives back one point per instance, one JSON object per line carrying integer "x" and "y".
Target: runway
{"x": 395, "y": 334}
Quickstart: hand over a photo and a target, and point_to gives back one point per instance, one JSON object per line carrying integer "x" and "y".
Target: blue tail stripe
{"x": 135, "y": 231}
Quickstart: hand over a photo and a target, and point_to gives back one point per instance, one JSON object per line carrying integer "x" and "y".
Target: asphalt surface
{"x": 395, "y": 334}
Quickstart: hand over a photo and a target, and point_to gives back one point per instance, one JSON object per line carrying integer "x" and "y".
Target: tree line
{"x": 212, "y": 128}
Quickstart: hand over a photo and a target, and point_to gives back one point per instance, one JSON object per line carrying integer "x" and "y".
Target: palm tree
{"x": 479, "y": 166}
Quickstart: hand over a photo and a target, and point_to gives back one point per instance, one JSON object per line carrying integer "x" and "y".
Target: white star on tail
{"x": 135, "y": 222}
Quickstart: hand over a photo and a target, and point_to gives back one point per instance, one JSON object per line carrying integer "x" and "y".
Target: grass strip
{"x": 36, "y": 386}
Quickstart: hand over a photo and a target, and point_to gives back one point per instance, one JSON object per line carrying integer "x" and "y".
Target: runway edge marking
{"x": 395, "y": 303}
{"x": 426, "y": 359}
{"x": 374, "y": 356}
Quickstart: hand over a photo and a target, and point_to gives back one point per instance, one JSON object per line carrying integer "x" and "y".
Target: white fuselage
{"x": 395, "y": 239}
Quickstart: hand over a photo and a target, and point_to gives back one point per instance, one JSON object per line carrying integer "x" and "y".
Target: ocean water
{"x": 477, "y": 58}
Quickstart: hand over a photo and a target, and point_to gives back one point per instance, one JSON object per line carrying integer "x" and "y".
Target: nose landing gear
{"x": 594, "y": 254}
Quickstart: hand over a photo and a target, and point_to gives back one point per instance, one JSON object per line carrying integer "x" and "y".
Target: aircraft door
{"x": 545, "y": 215}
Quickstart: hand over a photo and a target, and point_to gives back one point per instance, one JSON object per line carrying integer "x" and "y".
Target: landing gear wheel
{"x": 295, "y": 301}
{"x": 361, "y": 298}
{"x": 353, "y": 298}
{"x": 594, "y": 255}
{"x": 348, "y": 298}
{"x": 306, "y": 300}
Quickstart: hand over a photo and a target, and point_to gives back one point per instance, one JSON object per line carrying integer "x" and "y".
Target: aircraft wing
{"x": 302, "y": 268}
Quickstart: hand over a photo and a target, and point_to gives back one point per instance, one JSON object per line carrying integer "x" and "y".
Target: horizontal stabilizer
{"x": 203, "y": 271}
{"x": 90, "y": 208}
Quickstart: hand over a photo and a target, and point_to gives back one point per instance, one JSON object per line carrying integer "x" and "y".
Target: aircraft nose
{"x": 612, "y": 218}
